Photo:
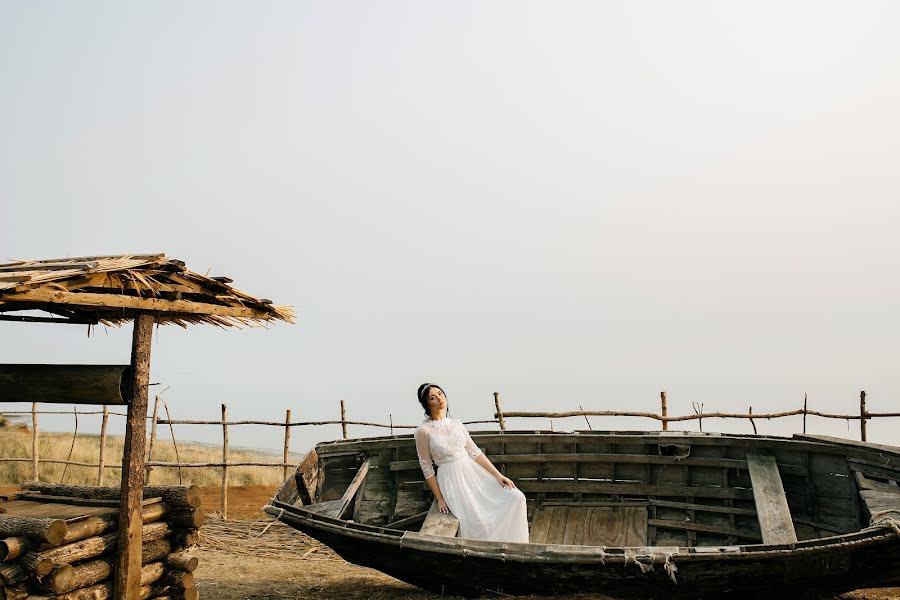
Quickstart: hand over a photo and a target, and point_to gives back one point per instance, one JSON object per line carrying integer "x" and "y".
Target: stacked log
{"x": 43, "y": 558}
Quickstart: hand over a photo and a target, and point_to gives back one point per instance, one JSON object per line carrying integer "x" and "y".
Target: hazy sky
{"x": 571, "y": 203}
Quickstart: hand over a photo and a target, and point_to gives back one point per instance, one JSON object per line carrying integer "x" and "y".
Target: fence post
{"x": 862, "y": 415}
{"x": 224, "y": 463}
{"x": 804, "y": 412}
{"x": 102, "y": 463}
{"x": 343, "y": 420}
{"x": 287, "y": 442}
{"x": 664, "y": 410}
{"x": 499, "y": 413}
{"x": 152, "y": 439}
{"x": 35, "y": 471}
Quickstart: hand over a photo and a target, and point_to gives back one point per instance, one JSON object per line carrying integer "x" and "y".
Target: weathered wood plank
{"x": 616, "y": 527}
{"x": 406, "y": 522}
{"x": 604, "y": 487}
{"x": 559, "y": 516}
{"x": 872, "y": 469}
{"x": 877, "y": 501}
{"x": 604, "y": 458}
{"x": 772, "y": 509}
{"x": 173, "y": 495}
{"x": 540, "y": 526}
{"x": 75, "y": 501}
{"x": 704, "y": 528}
{"x": 69, "y": 384}
{"x": 107, "y": 301}
{"x": 438, "y": 523}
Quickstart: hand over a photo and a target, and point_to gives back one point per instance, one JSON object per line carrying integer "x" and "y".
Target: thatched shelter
{"x": 113, "y": 289}
{"x": 145, "y": 288}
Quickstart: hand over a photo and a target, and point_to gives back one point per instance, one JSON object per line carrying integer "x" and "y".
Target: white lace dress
{"x": 485, "y": 509}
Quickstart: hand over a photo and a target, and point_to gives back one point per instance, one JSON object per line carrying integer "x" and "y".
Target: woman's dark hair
{"x": 424, "y": 389}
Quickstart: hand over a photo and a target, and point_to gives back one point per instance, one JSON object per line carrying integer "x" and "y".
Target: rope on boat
{"x": 651, "y": 559}
{"x": 886, "y": 518}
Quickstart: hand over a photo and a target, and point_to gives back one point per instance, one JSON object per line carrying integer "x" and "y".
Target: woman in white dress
{"x": 487, "y": 504}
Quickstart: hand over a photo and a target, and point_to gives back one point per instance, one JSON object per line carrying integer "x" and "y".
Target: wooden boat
{"x": 627, "y": 514}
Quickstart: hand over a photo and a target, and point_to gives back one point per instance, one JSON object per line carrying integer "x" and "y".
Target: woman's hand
{"x": 506, "y": 482}
{"x": 443, "y": 507}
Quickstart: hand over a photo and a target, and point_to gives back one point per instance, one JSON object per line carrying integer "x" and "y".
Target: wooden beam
{"x": 690, "y": 526}
{"x": 115, "y": 283}
{"x": 64, "y": 384}
{"x": 771, "y": 503}
{"x": 692, "y": 461}
{"x": 28, "y": 319}
{"x": 143, "y": 304}
{"x": 50, "y": 266}
{"x": 401, "y": 523}
{"x": 127, "y": 577}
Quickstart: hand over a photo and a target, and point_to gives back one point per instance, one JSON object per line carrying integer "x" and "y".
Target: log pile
{"x": 73, "y": 559}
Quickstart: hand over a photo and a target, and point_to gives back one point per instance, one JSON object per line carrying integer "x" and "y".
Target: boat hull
{"x": 625, "y": 514}
{"x": 823, "y": 568}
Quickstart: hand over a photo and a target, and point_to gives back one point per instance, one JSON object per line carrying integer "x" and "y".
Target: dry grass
{"x": 56, "y": 446}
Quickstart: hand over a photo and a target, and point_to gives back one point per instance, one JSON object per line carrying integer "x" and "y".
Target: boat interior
{"x": 622, "y": 489}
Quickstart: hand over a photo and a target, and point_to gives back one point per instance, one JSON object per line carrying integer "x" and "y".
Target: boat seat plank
{"x": 772, "y": 509}
{"x": 438, "y": 523}
{"x": 877, "y": 501}
{"x": 590, "y": 526}
{"x": 865, "y": 483}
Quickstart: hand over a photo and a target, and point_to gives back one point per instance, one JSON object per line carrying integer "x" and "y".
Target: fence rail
{"x": 500, "y": 418}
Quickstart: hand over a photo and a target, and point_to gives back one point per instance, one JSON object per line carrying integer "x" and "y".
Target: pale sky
{"x": 571, "y": 203}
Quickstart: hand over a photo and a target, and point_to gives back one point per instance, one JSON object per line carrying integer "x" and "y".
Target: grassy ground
{"x": 57, "y": 446}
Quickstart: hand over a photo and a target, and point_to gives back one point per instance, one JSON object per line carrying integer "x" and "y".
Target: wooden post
{"x": 499, "y": 413}
{"x": 804, "y": 412}
{"x": 127, "y": 576}
{"x": 35, "y": 469}
{"x": 287, "y": 442}
{"x": 101, "y": 467}
{"x": 224, "y": 462}
{"x": 152, "y": 438}
{"x": 343, "y": 420}
{"x": 664, "y": 410}
{"x": 862, "y": 415}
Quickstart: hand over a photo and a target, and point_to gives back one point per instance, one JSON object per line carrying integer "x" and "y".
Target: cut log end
{"x": 183, "y": 562}
{"x": 56, "y": 532}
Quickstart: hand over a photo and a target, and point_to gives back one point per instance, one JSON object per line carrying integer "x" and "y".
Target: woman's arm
{"x": 479, "y": 457}
{"x": 436, "y": 490}
{"x": 424, "y": 452}
{"x": 506, "y": 482}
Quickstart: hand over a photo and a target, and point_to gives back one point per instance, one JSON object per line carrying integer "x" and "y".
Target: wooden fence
{"x": 500, "y": 418}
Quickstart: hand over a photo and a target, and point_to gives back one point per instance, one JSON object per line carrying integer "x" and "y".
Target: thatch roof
{"x": 113, "y": 289}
